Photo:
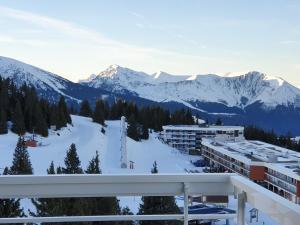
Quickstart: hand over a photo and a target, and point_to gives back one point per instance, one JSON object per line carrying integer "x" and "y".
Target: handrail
{"x": 57, "y": 186}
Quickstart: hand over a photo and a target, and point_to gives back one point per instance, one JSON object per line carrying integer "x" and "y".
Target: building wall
{"x": 257, "y": 173}
{"x": 187, "y": 139}
{"x": 273, "y": 180}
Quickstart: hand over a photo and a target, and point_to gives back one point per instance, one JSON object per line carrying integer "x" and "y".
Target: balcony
{"x": 57, "y": 186}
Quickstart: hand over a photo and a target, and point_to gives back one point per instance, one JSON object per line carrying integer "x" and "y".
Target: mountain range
{"x": 252, "y": 98}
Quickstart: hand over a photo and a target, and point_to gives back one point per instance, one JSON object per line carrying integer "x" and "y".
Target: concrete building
{"x": 187, "y": 138}
{"x": 273, "y": 167}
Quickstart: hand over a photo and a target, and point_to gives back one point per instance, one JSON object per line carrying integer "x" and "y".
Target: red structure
{"x": 257, "y": 173}
{"x": 31, "y": 143}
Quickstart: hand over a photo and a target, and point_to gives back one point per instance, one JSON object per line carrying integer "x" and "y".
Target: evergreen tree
{"x": 85, "y": 109}
{"x": 126, "y": 211}
{"x": 62, "y": 206}
{"x": 154, "y": 169}
{"x": 94, "y": 165}
{"x": 59, "y": 170}
{"x": 45, "y": 206}
{"x": 3, "y": 122}
{"x": 99, "y": 112}
{"x": 132, "y": 131}
{"x": 21, "y": 164}
{"x": 30, "y": 102}
{"x": 18, "y": 120}
{"x": 10, "y": 208}
{"x": 158, "y": 205}
{"x": 54, "y": 118}
{"x": 51, "y": 169}
{"x": 219, "y": 122}
{"x": 72, "y": 162}
{"x": 100, "y": 205}
{"x": 63, "y": 117}
{"x": 4, "y": 97}
{"x": 40, "y": 122}
{"x": 145, "y": 134}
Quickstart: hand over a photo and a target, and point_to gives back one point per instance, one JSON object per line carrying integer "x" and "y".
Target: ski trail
{"x": 112, "y": 156}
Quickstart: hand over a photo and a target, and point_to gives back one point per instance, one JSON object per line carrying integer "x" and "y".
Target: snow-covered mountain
{"x": 47, "y": 84}
{"x": 250, "y": 98}
{"x": 234, "y": 91}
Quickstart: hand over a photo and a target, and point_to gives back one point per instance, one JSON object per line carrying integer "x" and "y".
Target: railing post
{"x": 186, "y": 203}
{"x": 241, "y": 208}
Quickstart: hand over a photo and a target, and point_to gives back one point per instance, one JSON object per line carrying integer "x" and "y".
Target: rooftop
{"x": 259, "y": 153}
{"x": 201, "y": 127}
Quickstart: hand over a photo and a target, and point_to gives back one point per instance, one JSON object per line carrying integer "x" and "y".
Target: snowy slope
{"x": 143, "y": 154}
{"x": 85, "y": 134}
{"x": 22, "y": 73}
{"x": 88, "y": 139}
{"x": 48, "y": 85}
{"x": 232, "y": 91}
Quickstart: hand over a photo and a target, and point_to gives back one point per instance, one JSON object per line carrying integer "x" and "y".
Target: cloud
{"x": 79, "y": 32}
{"x": 73, "y": 49}
{"x": 137, "y": 15}
{"x": 31, "y": 42}
{"x": 289, "y": 42}
{"x": 140, "y": 25}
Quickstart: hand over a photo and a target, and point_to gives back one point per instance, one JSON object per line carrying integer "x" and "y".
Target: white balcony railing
{"x": 57, "y": 186}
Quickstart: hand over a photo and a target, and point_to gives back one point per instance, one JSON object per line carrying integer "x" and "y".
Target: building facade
{"x": 188, "y": 138}
{"x": 275, "y": 168}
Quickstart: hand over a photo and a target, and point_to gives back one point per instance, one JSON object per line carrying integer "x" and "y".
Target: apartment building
{"x": 187, "y": 138}
{"x": 275, "y": 168}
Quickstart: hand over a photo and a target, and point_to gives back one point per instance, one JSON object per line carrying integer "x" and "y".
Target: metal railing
{"x": 64, "y": 186}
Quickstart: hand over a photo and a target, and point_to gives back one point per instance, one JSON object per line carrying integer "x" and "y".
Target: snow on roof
{"x": 259, "y": 153}
{"x": 197, "y": 127}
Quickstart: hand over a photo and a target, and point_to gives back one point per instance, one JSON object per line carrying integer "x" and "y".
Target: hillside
{"x": 88, "y": 139}
{"x": 49, "y": 85}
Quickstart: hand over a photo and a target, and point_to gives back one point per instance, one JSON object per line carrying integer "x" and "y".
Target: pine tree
{"x": 158, "y": 205}
{"x": 40, "y": 122}
{"x": 64, "y": 206}
{"x": 30, "y": 102}
{"x": 18, "y": 120}
{"x": 85, "y": 109}
{"x": 54, "y": 118}
{"x": 21, "y": 164}
{"x": 126, "y": 211}
{"x": 132, "y": 131}
{"x": 94, "y": 165}
{"x": 154, "y": 169}
{"x": 145, "y": 134}
{"x": 100, "y": 205}
{"x": 72, "y": 162}
{"x": 51, "y": 169}
{"x": 99, "y": 112}
{"x": 46, "y": 206}
{"x": 10, "y": 207}
{"x": 219, "y": 122}
{"x": 60, "y": 115}
{"x": 3, "y": 122}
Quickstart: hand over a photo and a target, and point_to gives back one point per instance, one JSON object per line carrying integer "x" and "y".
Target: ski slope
{"x": 143, "y": 154}
{"x": 88, "y": 139}
{"x": 86, "y": 135}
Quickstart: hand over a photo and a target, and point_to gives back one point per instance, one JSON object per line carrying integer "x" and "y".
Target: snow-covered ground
{"x": 88, "y": 139}
{"x": 86, "y": 135}
{"x": 143, "y": 154}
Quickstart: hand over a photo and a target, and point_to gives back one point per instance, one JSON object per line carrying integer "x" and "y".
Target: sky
{"x": 77, "y": 38}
